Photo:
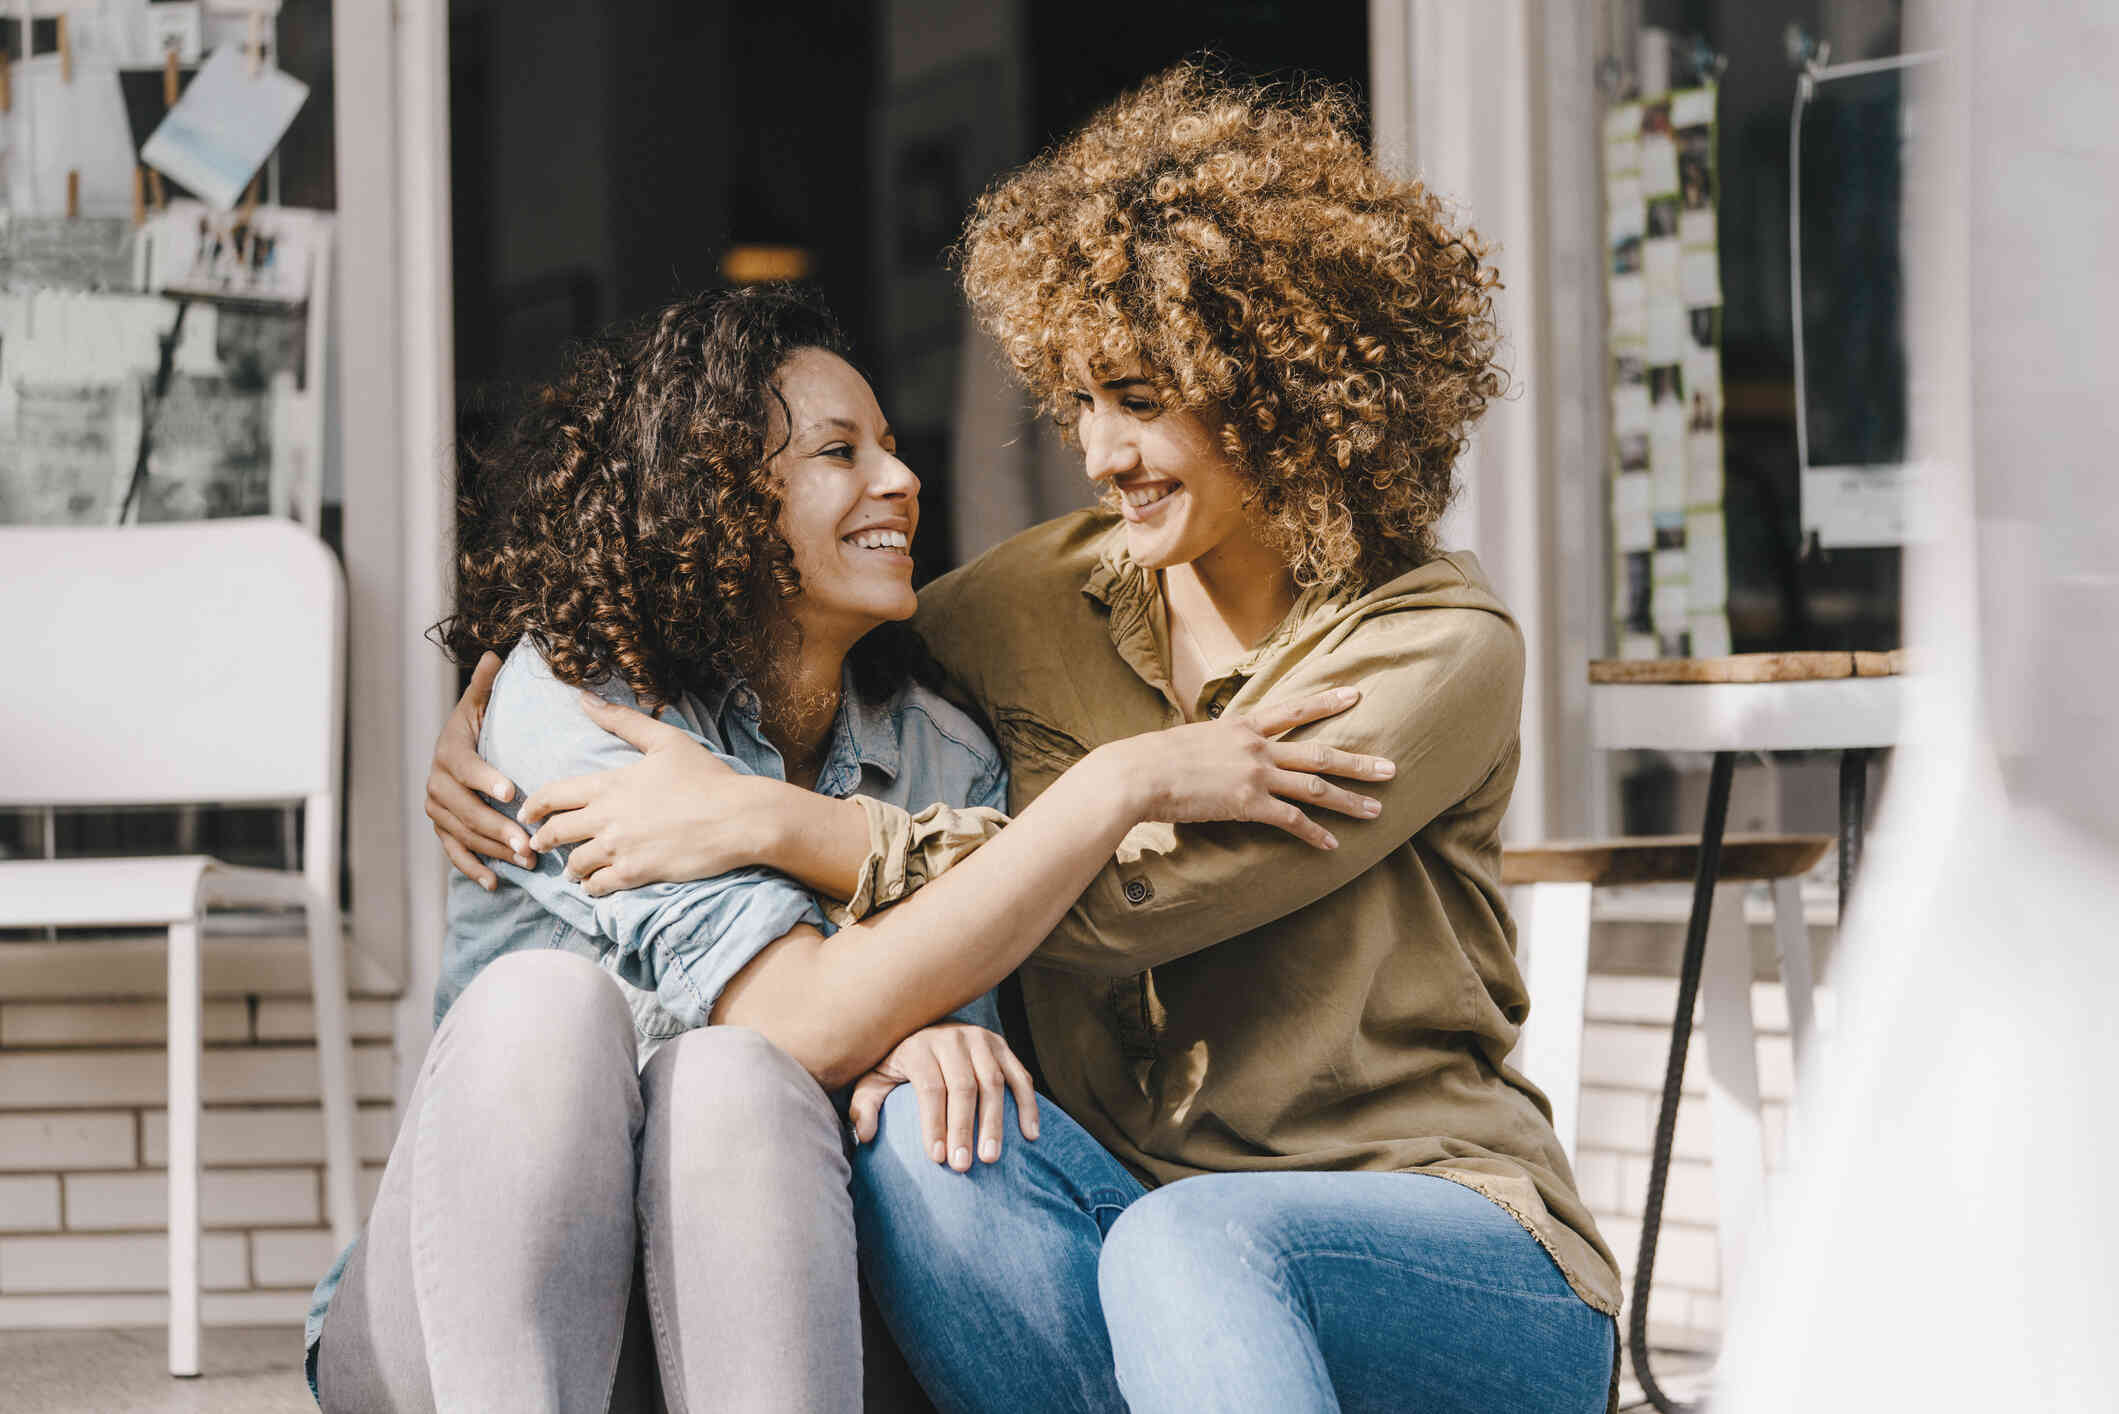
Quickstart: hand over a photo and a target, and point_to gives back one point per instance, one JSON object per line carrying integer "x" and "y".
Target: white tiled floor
{"x": 248, "y": 1370}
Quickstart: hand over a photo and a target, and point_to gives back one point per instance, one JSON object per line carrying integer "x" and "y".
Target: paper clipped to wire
{"x": 224, "y": 127}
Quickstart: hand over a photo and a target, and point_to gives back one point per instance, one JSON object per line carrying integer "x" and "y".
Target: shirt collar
{"x": 863, "y": 734}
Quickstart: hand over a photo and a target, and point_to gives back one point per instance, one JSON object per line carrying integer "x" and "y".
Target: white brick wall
{"x": 1625, "y": 1045}
{"x": 84, "y": 1138}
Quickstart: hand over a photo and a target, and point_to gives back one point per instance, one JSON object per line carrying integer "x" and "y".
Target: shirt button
{"x": 1139, "y": 891}
{"x": 1215, "y": 710}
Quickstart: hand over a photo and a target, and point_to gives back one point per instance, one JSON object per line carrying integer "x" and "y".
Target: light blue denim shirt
{"x": 673, "y": 947}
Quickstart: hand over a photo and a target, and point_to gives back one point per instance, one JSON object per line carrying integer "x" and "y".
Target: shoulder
{"x": 936, "y": 734}
{"x": 973, "y": 615}
{"x": 1054, "y": 557}
{"x": 535, "y": 729}
{"x": 1435, "y": 642}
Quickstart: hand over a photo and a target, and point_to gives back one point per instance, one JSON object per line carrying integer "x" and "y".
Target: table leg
{"x": 1853, "y": 805}
{"x": 1703, "y": 882}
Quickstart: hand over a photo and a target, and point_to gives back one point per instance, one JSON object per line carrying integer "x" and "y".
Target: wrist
{"x": 1121, "y": 778}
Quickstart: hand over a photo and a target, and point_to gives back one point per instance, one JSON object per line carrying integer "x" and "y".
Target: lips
{"x": 879, "y": 539}
{"x": 1144, "y": 499}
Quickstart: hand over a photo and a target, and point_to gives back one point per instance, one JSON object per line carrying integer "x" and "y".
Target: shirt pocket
{"x": 1036, "y": 750}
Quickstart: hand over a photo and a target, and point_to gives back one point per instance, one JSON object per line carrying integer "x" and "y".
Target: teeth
{"x": 1148, "y": 496}
{"x": 880, "y": 540}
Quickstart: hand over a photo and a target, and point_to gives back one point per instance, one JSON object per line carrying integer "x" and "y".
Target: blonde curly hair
{"x": 1237, "y": 241}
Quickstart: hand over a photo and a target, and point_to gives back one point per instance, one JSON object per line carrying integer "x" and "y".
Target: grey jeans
{"x": 542, "y": 1192}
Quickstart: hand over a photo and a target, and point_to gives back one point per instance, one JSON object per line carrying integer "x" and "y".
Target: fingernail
{"x": 1030, "y": 1132}
{"x": 1331, "y": 841}
{"x": 524, "y": 860}
{"x": 961, "y": 1159}
{"x": 939, "y": 1151}
{"x": 1371, "y": 807}
{"x": 503, "y": 792}
{"x": 1382, "y": 769}
{"x": 487, "y": 884}
{"x": 1349, "y": 695}
{"x": 990, "y": 1149}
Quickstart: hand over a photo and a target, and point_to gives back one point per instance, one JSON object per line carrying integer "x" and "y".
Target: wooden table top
{"x": 1748, "y": 667}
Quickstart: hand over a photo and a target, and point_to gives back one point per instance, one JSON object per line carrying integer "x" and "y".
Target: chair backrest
{"x": 161, "y": 664}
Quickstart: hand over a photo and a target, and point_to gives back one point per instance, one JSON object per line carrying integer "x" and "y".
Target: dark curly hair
{"x": 1238, "y": 241}
{"x": 628, "y": 523}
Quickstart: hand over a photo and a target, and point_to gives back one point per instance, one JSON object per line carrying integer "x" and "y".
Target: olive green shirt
{"x": 1225, "y": 998}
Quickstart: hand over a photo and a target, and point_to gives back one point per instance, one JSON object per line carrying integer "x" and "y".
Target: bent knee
{"x": 1174, "y": 1234}
{"x": 735, "y": 1079}
{"x": 555, "y": 1005}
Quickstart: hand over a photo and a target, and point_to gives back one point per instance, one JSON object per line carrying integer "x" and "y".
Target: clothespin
{"x": 7, "y": 87}
{"x": 154, "y": 185}
{"x": 73, "y": 194}
{"x": 257, "y": 42}
{"x": 139, "y": 195}
{"x": 171, "y": 83}
{"x": 66, "y": 51}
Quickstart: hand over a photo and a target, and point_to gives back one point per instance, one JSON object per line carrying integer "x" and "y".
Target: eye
{"x": 1141, "y": 407}
{"x": 1083, "y": 400}
{"x": 838, "y": 451}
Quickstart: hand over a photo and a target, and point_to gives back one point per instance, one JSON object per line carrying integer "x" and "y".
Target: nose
{"x": 894, "y": 480}
{"x": 1108, "y": 447}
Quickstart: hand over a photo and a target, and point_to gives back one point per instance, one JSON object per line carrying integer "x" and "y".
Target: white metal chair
{"x": 162, "y": 665}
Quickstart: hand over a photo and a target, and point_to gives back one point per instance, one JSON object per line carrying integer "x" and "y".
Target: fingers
{"x": 466, "y": 862}
{"x": 865, "y": 1109}
{"x": 1331, "y": 761}
{"x": 567, "y": 827}
{"x": 480, "y": 690}
{"x": 588, "y": 858}
{"x": 1025, "y": 1091}
{"x": 1277, "y": 717}
{"x": 569, "y": 794}
{"x": 1317, "y": 791}
{"x": 473, "y": 824}
{"x": 925, "y": 1077}
{"x": 1283, "y": 816}
{"x": 992, "y": 1087}
{"x": 629, "y": 724}
{"x": 963, "y": 1083}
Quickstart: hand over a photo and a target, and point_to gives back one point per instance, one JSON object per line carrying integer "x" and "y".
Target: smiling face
{"x": 1163, "y": 467}
{"x": 849, "y": 507}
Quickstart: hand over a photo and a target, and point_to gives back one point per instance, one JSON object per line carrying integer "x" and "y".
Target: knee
{"x": 542, "y": 1012}
{"x": 731, "y": 1085}
{"x": 1176, "y": 1238}
{"x": 898, "y": 1185}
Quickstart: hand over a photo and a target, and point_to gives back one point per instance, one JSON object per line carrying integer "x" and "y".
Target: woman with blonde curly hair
{"x": 1289, "y": 1166}
{"x": 625, "y": 1103}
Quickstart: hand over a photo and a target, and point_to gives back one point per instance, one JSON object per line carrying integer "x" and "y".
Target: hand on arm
{"x": 1441, "y": 698}
{"x": 680, "y": 812}
{"x": 466, "y": 826}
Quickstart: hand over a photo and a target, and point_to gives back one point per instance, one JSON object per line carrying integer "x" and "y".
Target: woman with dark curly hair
{"x": 1290, "y": 1167}
{"x": 706, "y": 518}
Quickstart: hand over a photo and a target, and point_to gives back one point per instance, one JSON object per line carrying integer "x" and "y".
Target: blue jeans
{"x": 1052, "y": 1280}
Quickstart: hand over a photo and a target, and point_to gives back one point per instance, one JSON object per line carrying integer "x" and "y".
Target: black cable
{"x": 1666, "y": 1120}
{"x": 152, "y": 404}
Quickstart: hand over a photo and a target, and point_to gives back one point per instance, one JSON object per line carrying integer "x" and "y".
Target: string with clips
{"x": 147, "y": 188}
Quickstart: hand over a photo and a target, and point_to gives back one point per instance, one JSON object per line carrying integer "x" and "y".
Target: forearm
{"x": 839, "y": 1004}
{"x": 818, "y": 840}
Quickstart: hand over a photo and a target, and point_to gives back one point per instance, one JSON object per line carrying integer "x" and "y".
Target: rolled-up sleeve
{"x": 684, "y": 941}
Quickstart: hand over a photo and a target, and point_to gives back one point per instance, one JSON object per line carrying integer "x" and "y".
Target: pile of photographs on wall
{"x": 161, "y": 355}
{"x": 1664, "y": 283}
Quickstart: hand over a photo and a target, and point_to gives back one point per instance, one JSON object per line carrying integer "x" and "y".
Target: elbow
{"x": 829, "y": 1060}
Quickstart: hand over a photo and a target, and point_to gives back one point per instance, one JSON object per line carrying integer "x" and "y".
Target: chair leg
{"x": 1791, "y": 937}
{"x": 185, "y": 1024}
{"x": 1732, "y": 1080}
{"x": 1556, "y": 927}
{"x": 334, "y": 1056}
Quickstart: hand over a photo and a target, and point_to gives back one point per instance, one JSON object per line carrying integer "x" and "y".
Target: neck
{"x": 801, "y": 695}
{"x": 1234, "y": 591}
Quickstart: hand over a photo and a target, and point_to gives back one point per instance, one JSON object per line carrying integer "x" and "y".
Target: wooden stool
{"x": 1557, "y": 880}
